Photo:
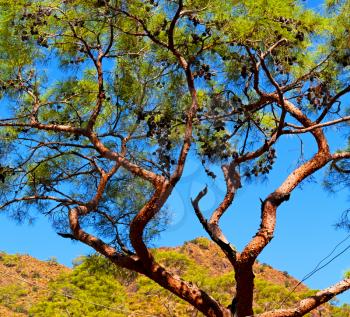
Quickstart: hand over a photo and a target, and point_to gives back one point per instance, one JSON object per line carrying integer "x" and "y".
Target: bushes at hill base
{"x": 94, "y": 280}
{"x": 77, "y": 293}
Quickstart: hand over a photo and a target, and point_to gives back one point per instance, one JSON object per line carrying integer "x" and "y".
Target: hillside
{"x": 23, "y": 282}
{"x": 29, "y": 287}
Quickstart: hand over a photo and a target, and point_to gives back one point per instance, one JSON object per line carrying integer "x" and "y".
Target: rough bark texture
{"x": 310, "y": 303}
{"x": 189, "y": 292}
{"x": 244, "y": 289}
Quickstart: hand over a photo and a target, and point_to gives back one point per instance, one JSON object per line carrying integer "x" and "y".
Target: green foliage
{"x": 96, "y": 264}
{"x": 341, "y": 311}
{"x": 201, "y": 242}
{"x": 145, "y": 91}
{"x": 77, "y": 292}
{"x": 52, "y": 260}
{"x": 337, "y": 177}
{"x": 268, "y": 295}
{"x": 9, "y": 260}
{"x": 174, "y": 259}
{"x": 10, "y": 296}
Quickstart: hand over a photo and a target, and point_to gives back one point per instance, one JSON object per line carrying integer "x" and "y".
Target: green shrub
{"x": 85, "y": 291}
{"x": 52, "y": 260}
{"x": 20, "y": 309}
{"x": 10, "y": 294}
{"x": 9, "y": 260}
{"x": 173, "y": 259}
{"x": 35, "y": 288}
{"x": 24, "y": 275}
{"x": 287, "y": 283}
{"x": 202, "y": 242}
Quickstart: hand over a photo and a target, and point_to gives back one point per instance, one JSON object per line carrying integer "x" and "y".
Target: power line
{"x": 318, "y": 267}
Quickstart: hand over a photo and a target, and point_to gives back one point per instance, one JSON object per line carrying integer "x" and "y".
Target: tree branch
{"x": 269, "y": 206}
{"x": 310, "y": 303}
{"x": 316, "y": 126}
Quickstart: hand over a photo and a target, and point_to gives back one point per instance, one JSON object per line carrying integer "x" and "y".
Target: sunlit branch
{"x": 39, "y": 197}
{"x": 316, "y": 126}
{"x": 310, "y": 303}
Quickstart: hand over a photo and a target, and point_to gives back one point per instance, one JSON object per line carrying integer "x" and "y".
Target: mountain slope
{"x": 29, "y": 287}
{"x": 23, "y": 282}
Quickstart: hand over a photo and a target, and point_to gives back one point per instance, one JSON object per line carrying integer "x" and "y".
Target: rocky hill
{"x": 29, "y": 287}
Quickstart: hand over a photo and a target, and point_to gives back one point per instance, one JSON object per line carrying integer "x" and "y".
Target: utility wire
{"x": 318, "y": 267}
{"x": 60, "y": 293}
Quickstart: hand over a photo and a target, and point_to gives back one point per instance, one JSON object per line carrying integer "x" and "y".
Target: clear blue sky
{"x": 304, "y": 233}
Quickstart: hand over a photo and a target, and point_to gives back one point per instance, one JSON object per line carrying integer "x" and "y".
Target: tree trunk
{"x": 244, "y": 290}
{"x": 188, "y": 292}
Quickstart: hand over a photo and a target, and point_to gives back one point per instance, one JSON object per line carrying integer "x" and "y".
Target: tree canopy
{"x": 103, "y": 101}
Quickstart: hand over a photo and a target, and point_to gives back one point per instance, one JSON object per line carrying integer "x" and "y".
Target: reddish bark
{"x": 244, "y": 289}
{"x": 189, "y": 292}
{"x": 310, "y": 303}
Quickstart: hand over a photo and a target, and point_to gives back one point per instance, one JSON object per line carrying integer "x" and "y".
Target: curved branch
{"x": 144, "y": 216}
{"x": 123, "y": 161}
{"x": 100, "y": 95}
{"x": 128, "y": 262}
{"x": 39, "y": 197}
{"x": 187, "y": 291}
{"x": 255, "y": 154}
{"x": 99, "y": 146}
{"x": 172, "y": 25}
{"x": 46, "y": 127}
{"x": 105, "y": 177}
{"x": 331, "y": 102}
{"x": 341, "y": 155}
{"x": 195, "y": 205}
{"x": 233, "y": 182}
{"x": 310, "y": 303}
{"x": 316, "y": 126}
{"x": 269, "y": 206}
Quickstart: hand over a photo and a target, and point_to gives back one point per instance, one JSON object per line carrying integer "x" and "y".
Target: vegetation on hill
{"x": 96, "y": 288}
{"x": 24, "y": 281}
